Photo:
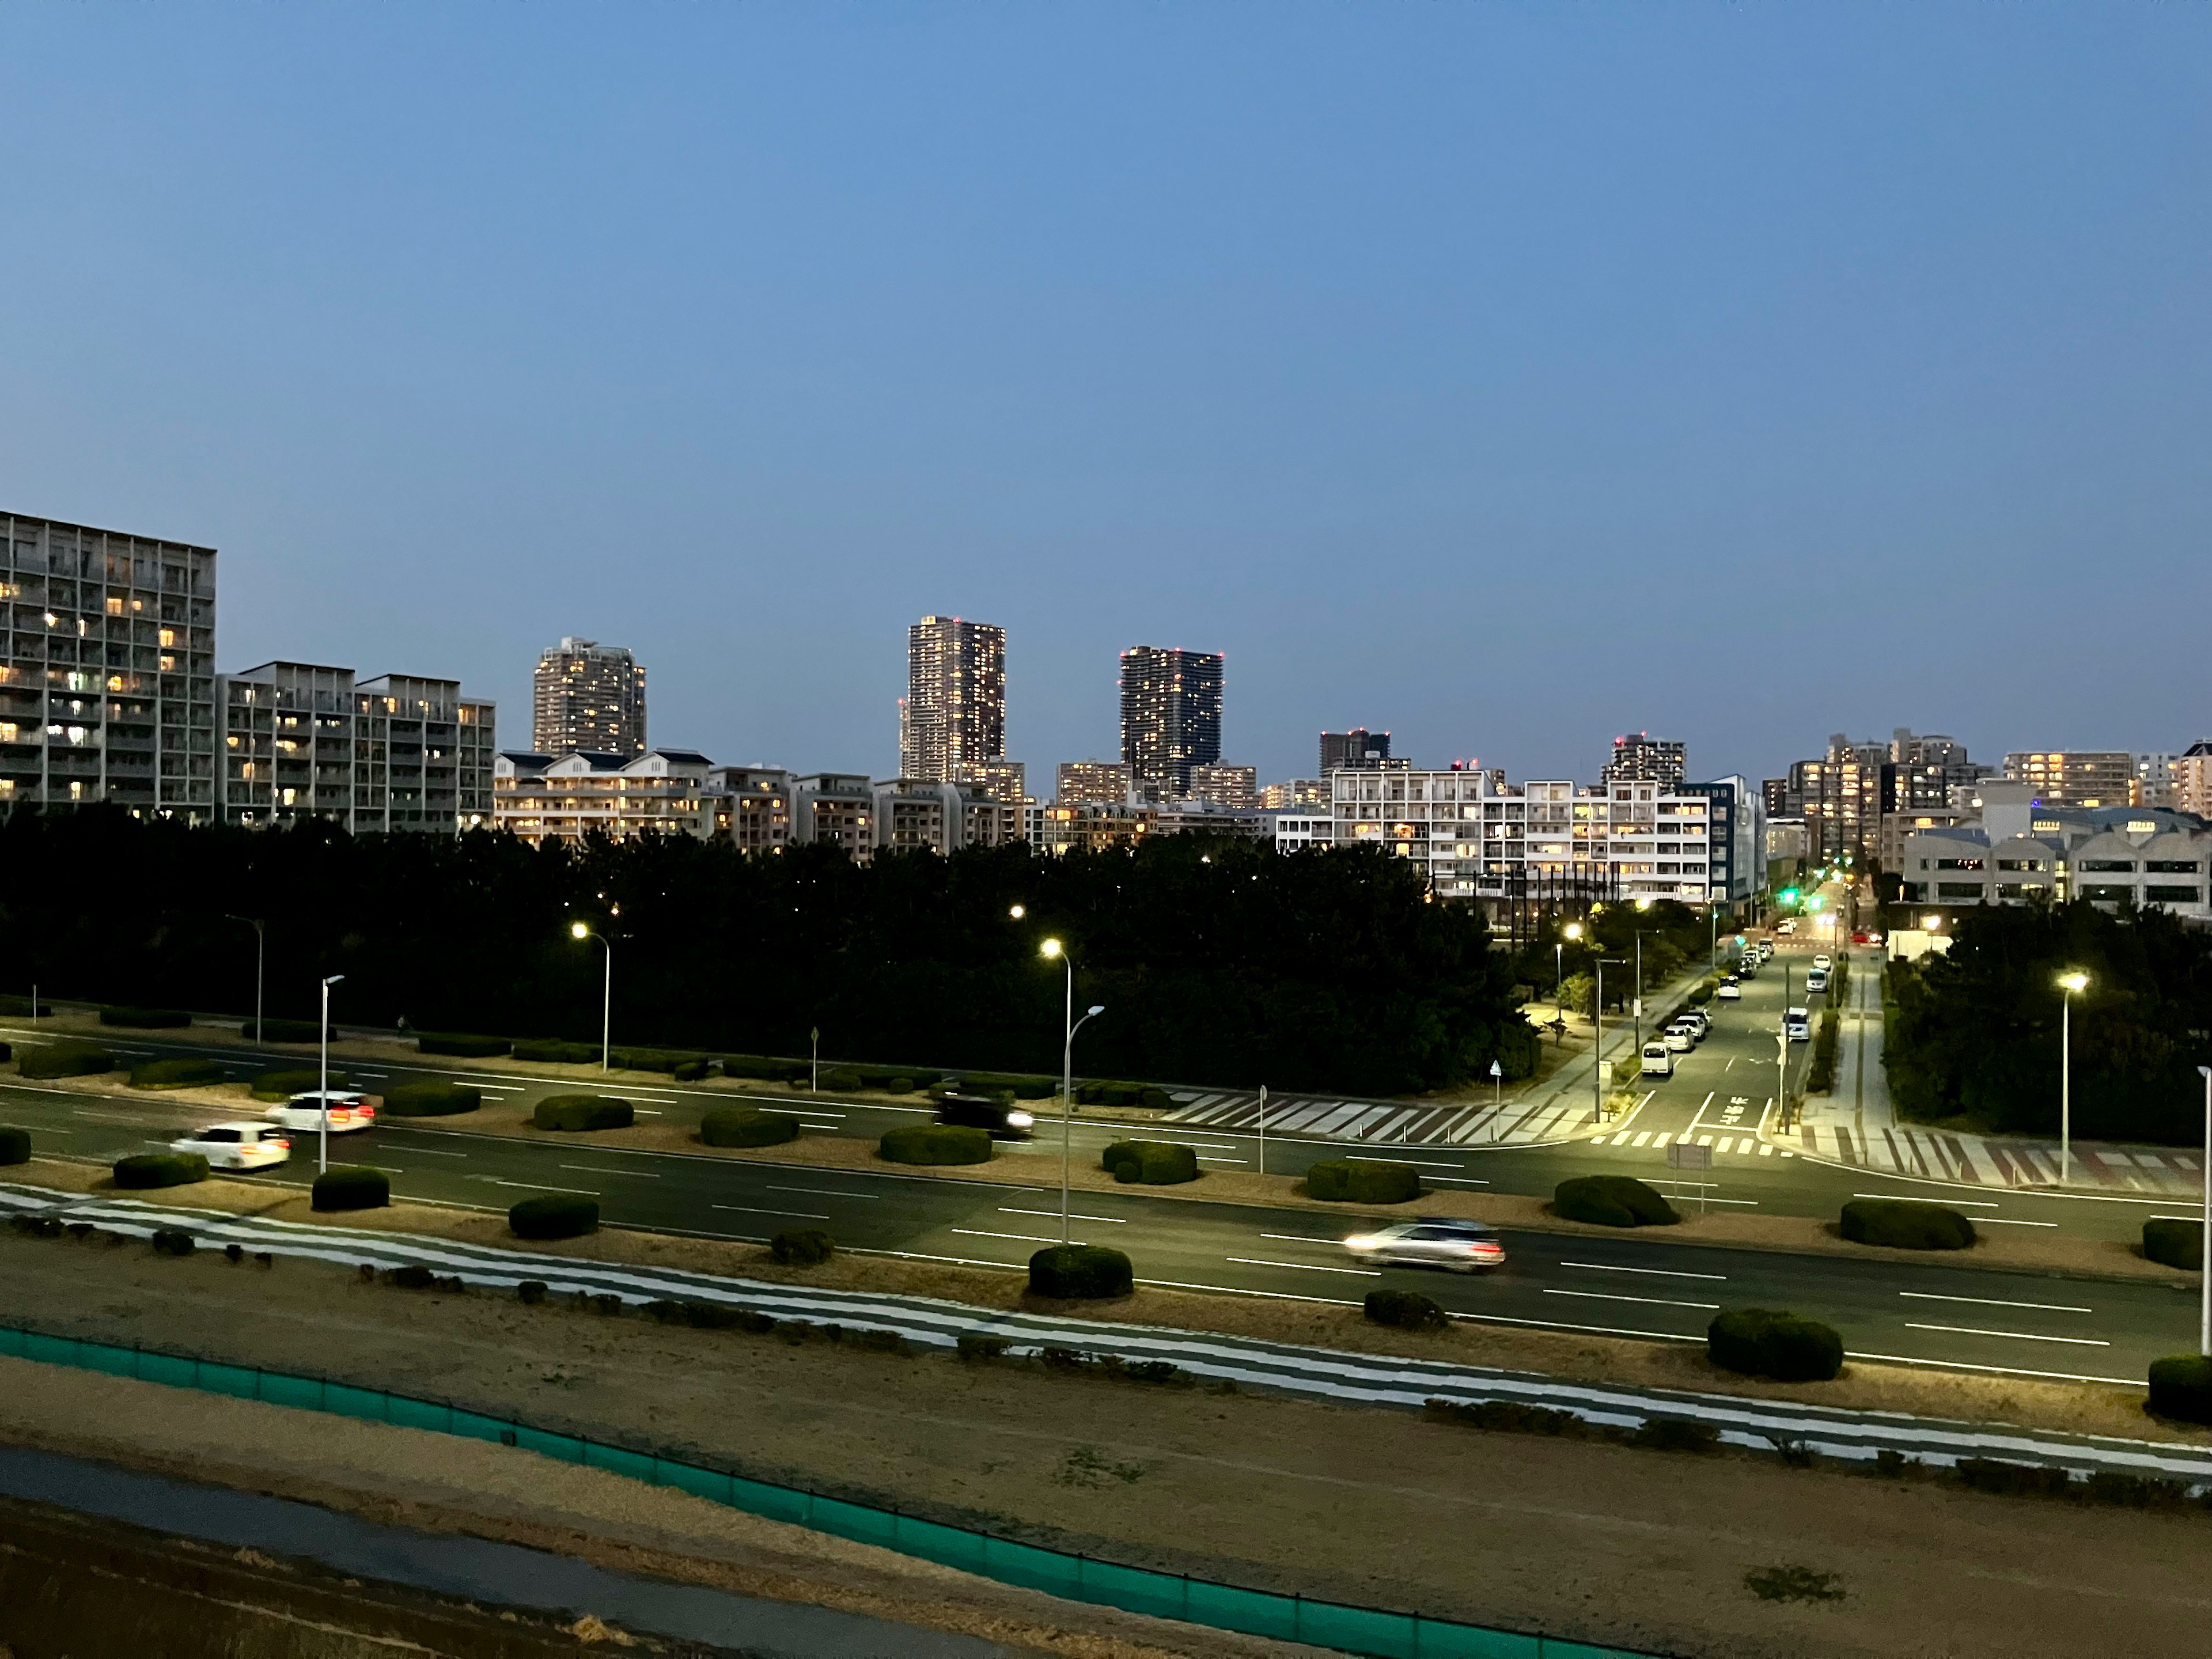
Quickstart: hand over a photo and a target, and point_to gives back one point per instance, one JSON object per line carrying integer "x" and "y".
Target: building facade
{"x": 1170, "y": 715}
{"x": 1295, "y": 792}
{"x": 1359, "y": 750}
{"x": 838, "y": 808}
{"x": 1002, "y": 780}
{"x": 1091, "y": 783}
{"x": 2192, "y": 779}
{"x": 588, "y": 698}
{"x": 106, "y": 670}
{"x": 955, "y": 709}
{"x": 756, "y": 800}
{"x": 1065, "y": 827}
{"x": 2076, "y": 777}
{"x": 1235, "y": 787}
{"x": 2111, "y": 856}
{"x": 566, "y": 797}
{"x": 1639, "y": 757}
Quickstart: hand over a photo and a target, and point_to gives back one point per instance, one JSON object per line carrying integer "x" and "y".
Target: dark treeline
{"x": 1975, "y": 1034}
{"x": 1219, "y": 961}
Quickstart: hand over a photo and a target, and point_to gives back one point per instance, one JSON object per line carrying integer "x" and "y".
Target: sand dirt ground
{"x": 1643, "y": 1549}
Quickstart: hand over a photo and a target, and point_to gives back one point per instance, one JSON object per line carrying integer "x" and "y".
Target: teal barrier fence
{"x": 1371, "y": 1631}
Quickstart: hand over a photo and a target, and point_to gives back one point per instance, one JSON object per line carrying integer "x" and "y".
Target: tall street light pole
{"x": 259, "y": 956}
{"x": 2204, "y": 1292}
{"x": 1597, "y": 1023}
{"x": 323, "y": 1088}
{"x": 2072, "y": 984}
{"x": 577, "y": 930}
{"x": 1052, "y": 947}
{"x": 1572, "y": 930}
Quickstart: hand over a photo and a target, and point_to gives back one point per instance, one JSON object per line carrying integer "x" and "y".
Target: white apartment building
{"x": 1295, "y": 830}
{"x": 565, "y": 798}
{"x": 2141, "y": 856}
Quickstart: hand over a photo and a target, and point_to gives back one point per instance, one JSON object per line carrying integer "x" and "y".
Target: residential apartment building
{"x": 835, "y": 807}
{"x": 1092, "y": 783}
{"x": 400, "y": 753}
{"x": 1299, "y": 792}
{"x": 1170, "y": 715}
{"x": 106, "y": 670}
{"x": 1066, "y": 827}
{"x": 926, "y": 815}
{"x": 2192, "y": 779}
{"x": 588, "y": 697}
{"x": 2112, "y": 856}
{"x": 1844, "y": 796}
{"x": 2154, "y": 779}
{"x": 955, "y": 708}
{"x": 1639, "y": 757}
{"x": 1296, "y": 829}
{"x": 756, "y": 800}
{"x": 1003, "y": 780}
{"x": 1359, "y": 750}
{"x": 1898, "y": 828}
{"x": 1234, "y": 787}
{"x": 566, "y": 797}
{"x": 1197, "y": 817}
{"x": 2076, "y": 777}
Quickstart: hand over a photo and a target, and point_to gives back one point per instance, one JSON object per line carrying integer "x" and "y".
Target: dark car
{"x": 1005, "y": 1121}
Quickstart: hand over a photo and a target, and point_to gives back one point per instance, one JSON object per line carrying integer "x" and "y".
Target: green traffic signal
{"x": 1788, "y": 895}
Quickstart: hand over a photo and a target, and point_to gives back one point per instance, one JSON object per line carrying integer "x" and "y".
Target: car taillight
{"x": 367, "y": 1111}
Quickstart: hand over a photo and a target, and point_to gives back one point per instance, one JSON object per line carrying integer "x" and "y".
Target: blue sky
{"x": 1507, "y": 376}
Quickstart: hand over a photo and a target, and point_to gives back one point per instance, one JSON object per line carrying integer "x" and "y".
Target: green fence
{"x": 1078, "y": 1577}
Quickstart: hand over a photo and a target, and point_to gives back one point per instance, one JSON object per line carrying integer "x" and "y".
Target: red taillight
{"x": 367, "y": 1111}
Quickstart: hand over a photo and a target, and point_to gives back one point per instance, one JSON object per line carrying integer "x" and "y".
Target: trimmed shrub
{"x": 349, "y": 1186}
{"x": 802, "y": 1247}
{"x": 65, "y": 1059}
{"x": 20, "y": 1007}
{"x": 14, "y": 1145}
{"x": 143, "y": 1169}
{"x": 935, "y": 1143}
{"x": 2177, "y": 1244}
{"x": 283, "y": 1085}
{"x": 1020, "y": 1085}
{"x": 289, "y": 1030}
{"x": 1906, "y": 1223}
{"x": 1073, "y": 1272}
{"x": 554, "y": 1215}
{"x": 582, "y": 1112}
{"x": 553, "y": 1051}
{"x": 175, "y": 1074}
{"x": 1409, "y": 1311}
{"x": 1682, "y": 1434}
{"x": 897, "y": 1079}
{"x": 1612, "y": 1201}
{"x": 1763, "y": 1342}
{"x": 461, "y": 1044}
{"x": 2181, "y": 1388}
{"x": 693, "y": 1071}
{"x": 1155, "y": 1162}
{"x": 763, "y": 1068}
{"x": 144, "y": 1019}
{"x": 172, "y": 1241}
{"x": 653, "y": 1060}
{"x": 842, "y": 1079}
{"x": 1361, "y": 1181}
{"x": 746, "y": 1126}
{"x": 431, "y": 1099}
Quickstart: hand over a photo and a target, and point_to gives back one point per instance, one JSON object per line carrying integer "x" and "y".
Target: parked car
{"x": 1866, "y": 939}
{"x": 1817, "y": 979}
{"x": 1789, "y": 926}
{"x": 981, "y": 1112}
{"x": 1798, "y": 1025}
{"x": 350, "y": 1113}
{"x": 1730, "y": 989}
{"x": 1698, "y": 1018}
{"x": 1658, "y": 1059}
{"x": 237, "y": 1145}
{"x": 1823, "y": 963}
{"x": 1433, "y": 1241}
{"x": 1679, "y": 1037}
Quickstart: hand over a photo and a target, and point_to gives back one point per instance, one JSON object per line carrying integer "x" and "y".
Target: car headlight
{"x": 1361, "y": 1243}
{"x": 1019, "y": 1119}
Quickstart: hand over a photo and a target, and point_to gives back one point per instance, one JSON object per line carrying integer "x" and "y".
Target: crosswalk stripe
{"x": 1765, "y": 1150}
{"x": 1642, "y": 1138}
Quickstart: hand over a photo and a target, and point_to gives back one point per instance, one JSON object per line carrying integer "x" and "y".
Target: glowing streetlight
{"x": 1931, "y": 923}
{"x": 577, "y": 929}
{"x": 1018, "y": 912}
{"x": 1572, "y": 930}
{"x": 1052, "y": 950}
{"x": 2073, "y": 984}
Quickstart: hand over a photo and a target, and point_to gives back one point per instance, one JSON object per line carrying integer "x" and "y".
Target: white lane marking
{"x": 1118, "y": 1220}
{"x": 2007, "y": 1221}
{"x": 432, "y": 1152}
{"x": 1225, "y": 1160}
{"x": 1656, "y": 1273}
{"x": 1458, "y": 1181}
{"x": 1302, "y": 1238}
{"x": 2134, "y": 1382}
{"x": 533, "y": 1186}
{"x": 1644, "y": 1139}
{"x": 749, "y": 1209}
{"x": 2017, "y": 1336}
{"x": 634, "y": 1175}
{"x": 1907, "y": 1198}
{"x": 1561, "y": 1325}
{"x": 1303, "y": 1266}
{"x": 1649, "y": 1301}
{"x": 1991, "y": 1302}
{"x": 1026, "y": 1238}
{"x": 825, "y": 1192}
{"x": 1425, "y": 1163}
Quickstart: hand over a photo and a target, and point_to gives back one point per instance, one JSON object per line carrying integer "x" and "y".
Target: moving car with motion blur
{"x": 1431, "y": 1241}
{"x": 1817, "y": 979}
{"x": 237, "y": 1145}
{"x": 350, "y": 1113}
{"x": 1004, "y": 1121}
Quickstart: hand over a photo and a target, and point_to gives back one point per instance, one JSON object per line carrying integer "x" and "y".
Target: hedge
{"x": 2177, "y": 1244}
{"x": 1343, "y": 1179}
{"x": 1906, "y": 1223}
{"x": 175, "y": 1073}
{"x": 1612, "y": 1201}
{"x": 22, "y": 1007}
{"x": 431, "y": 1099}
{"x": 553, "y": 1051}
{"x": 935, "y": 1143}
{"x": 1763, "y": 1342}
{"x": 653, "y": 1060}
{"x": 1080, "y": 1273}
{"x": 746, "y": 1126}
{"x": 802, "y": 1247}
{"x": 843, "y": 1079}
{"x": 899, "y": 1079}
{"x": 65, "y": 1059}
{"x": 554, "y": 1215}
{"x": 144, "y": 1019}
{"x": 350, "y": 1187}
{"x": 14, "y": 1145}
{"x": 1105, "y": 1092}
{"x": 283, "y": 1085}
{"x": 693, "y": 1071}
{"x": 161, "y": 1169}
{"x": 1155, "y": 1162}
{"x": 763, "y": 1068}
{"x": 582, "y": 1112}
{"x": 289, "y": 1030}
{"x": 2181, "y": 1388}
{"x": 1409, "y": 1311}
{"x": 1022, "y": 1085}
{"x": 460, "y": 1043}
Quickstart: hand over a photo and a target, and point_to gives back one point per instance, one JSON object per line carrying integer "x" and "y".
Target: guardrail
{"x": 1349, "y": 1628}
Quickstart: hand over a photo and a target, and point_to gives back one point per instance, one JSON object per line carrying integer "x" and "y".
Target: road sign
{"x": 1496, "y": 1069}
{"x": 1683, "y": 1156}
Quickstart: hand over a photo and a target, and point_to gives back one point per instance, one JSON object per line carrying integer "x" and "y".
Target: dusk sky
{"x": 1507, "y": 376}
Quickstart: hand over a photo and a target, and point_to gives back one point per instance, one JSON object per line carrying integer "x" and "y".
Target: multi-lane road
{"x": 1641, "y": 1284}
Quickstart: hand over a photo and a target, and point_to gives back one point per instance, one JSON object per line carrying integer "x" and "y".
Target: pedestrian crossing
{"x": 1514, "y": 1123}
{"x": 1984, "y": 1161}
{"x": 1733, "y": 1144}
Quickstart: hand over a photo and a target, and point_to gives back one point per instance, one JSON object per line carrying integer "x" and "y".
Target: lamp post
{"x": 814, "y": 1060}
{"x": 323, "y": 1088}
{"x": 1263, "y": 1128}
{"x": 258, "y": 957}
{"x": 2204, "y": 1270}
{"x": 577, "y": 930}
{"x": 1597, "y": 1023}
{"x": 1572, "y": 930}
{"x": 2072, "y": 984}
{"x": 1052, "y": 947}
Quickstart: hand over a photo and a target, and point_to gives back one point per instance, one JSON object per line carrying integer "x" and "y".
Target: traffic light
{"x": 1788, "y": 895}
{"x": 1814, "y": 902}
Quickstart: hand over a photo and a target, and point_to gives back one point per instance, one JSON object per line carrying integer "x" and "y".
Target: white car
{"x": 1785, "y": 926}
{"x": 1658, "y": 1059}
{"x": 1730, "y": 990}
{"x": 237, "y": 1145}
{"x": 1435, "y": 1241}
{"x": 1823, "y": 963}
{"x": 1679, "y": 1038}
{"x": 1799, "y": 1025}
{"x": 349, "y": 1112}
{"x": 1700, "y": 1019}
{"x": 1817, "y": 979}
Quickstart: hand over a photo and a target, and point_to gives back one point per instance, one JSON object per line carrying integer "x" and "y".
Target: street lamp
{"x": 259, "y": 941}
{"x": 1018, "y": 912}
{"x": 2204, "y": 1307}
{"x": 2072, "y": 984}
{"x": 323, "y": 1089}
{"x": 577, "y": 929}
{"x": 1051, "y": 948}
{"x": 1597, "y": 1025}
{"x": 1572, "y": 930}
{"x": 1930, "y": 924}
